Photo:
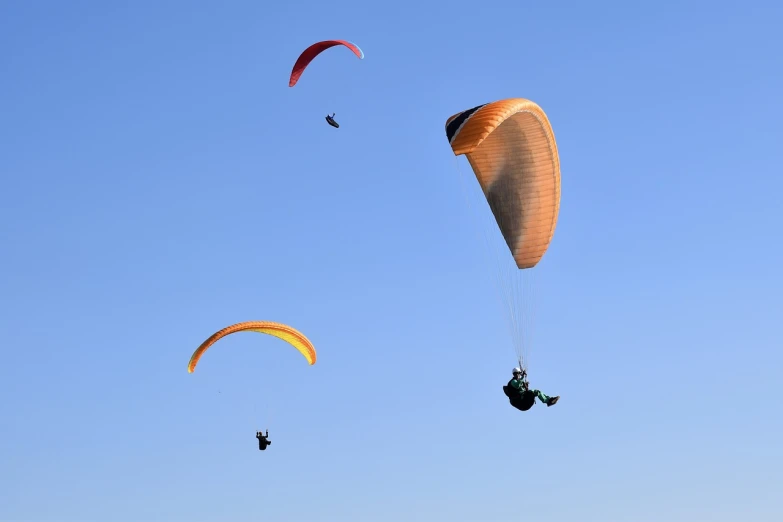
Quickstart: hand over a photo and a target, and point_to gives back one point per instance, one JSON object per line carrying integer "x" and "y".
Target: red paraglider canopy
{"x": 314, "y": 50}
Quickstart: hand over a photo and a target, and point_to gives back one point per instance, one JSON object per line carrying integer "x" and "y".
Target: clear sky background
{"x": 160, "y": 181}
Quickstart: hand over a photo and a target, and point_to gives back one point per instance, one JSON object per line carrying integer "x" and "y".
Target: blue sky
{"x": 161, "y": 181}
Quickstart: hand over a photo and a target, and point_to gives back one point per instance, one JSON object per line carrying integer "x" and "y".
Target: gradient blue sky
{"x": 160, "y": 180}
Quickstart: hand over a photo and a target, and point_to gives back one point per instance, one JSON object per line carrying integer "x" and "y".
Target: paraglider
{"x": 263, "y": 440}
{"x": 292, "y": 336}
{"x": 309, "y": 54}
{"x": 521, "y": 396}
{"x": 510, "y": 146}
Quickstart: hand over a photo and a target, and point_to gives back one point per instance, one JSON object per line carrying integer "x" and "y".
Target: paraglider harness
{"x": 330, "y": 121}
{"x": 521, "y": 401}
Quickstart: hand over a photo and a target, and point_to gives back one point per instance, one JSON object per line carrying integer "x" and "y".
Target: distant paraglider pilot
{"x": 521, "y": 396}
{"x": 330, "y": 121}
{"x": 263, "y": 440}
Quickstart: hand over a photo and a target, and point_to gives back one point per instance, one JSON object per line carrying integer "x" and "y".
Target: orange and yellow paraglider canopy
{"x": 292, "y": 336}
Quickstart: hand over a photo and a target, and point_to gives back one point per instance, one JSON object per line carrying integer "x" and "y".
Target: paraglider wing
{"x": 314, "y": 50}
{"x": 511, "y": 147}
{"x": 281, "y": 331}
